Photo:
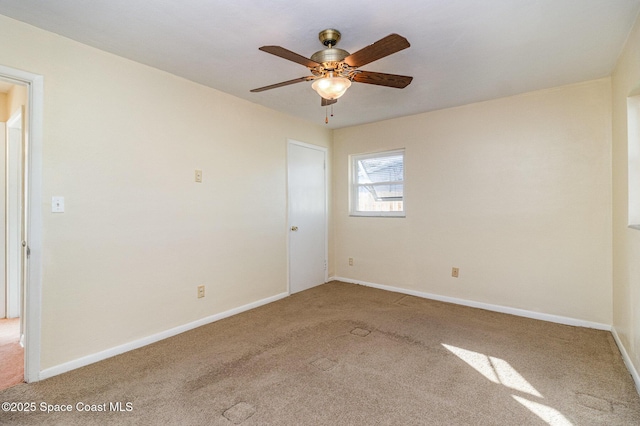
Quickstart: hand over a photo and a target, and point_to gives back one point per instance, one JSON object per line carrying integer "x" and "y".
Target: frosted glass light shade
{"x": 331, "y": 87}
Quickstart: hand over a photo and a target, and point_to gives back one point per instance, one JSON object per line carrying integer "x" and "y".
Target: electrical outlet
{"x": 455, "y": 272}
{"x": 351, "y": 261}
{"x": 200, "y": 291}
{"x": 198, "y": 176}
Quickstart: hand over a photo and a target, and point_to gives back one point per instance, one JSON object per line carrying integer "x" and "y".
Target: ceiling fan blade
{"x": 289, "y": 55}
{"x": 384, "y": 47}
{"x": 382, "y": 79}
{"x": 327, "y": 102}
{"x": 284, "y": 83}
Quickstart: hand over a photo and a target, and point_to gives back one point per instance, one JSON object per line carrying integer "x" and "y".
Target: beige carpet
{"x": 345, "y": 354}
{"x": 11, "y": 354}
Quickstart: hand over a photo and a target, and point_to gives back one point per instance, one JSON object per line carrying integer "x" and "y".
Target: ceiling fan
{"x": 334, "y": 69}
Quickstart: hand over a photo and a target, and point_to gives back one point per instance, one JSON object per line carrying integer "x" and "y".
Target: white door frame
{"x": 33, "y": 287}
{"x": 326, "y": 214}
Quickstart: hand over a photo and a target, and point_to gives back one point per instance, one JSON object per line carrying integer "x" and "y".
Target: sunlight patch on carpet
{"x": 494, "y": 369}
{"x": 239, "y": 412}
{"x": 501, "y": 372}
{"x": 549, "y": 415}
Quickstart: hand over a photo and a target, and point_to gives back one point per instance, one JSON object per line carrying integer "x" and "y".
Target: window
{"x": 377, "y": 184}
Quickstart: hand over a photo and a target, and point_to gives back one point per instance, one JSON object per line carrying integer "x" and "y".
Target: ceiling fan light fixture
{"x": 331, "y": 87}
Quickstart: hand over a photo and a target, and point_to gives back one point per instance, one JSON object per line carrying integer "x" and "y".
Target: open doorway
{"x": 32, "y": 241}
{"x": 13, "y": 196}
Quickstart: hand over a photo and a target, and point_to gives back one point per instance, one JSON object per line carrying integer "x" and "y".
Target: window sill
{"x": 634, "y": 227}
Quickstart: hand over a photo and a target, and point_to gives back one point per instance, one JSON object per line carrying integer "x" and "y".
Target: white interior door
{"x": 307, "y": 216}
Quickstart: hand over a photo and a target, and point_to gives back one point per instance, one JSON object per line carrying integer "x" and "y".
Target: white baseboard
{"x": 627, "y": 359}
{"x": 487, "y": 306}
{"x": 108, "y": 353}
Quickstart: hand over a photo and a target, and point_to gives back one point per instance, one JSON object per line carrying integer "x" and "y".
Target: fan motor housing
{"x": 331, "y": 54}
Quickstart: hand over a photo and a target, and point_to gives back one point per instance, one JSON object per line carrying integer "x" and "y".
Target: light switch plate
{"x": 57, "y": 204}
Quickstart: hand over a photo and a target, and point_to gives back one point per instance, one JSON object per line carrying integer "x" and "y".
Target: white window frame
{"x": 353, "y": 185}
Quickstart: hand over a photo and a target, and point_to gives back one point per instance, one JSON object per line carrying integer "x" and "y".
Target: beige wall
{"x": 516, "y": 192}
{"x": 121, "y": 143}
{"x": 11, "y": 101}
{"x": 16, "y": 99}
{"x": 4, "y": 111}
{"x": 626, "y": 241}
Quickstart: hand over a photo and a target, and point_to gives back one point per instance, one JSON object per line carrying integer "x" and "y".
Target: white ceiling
{"x": 462, "y": 51}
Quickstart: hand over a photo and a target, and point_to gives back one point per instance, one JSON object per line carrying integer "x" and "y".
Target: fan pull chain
{"x": 326, "y": 113}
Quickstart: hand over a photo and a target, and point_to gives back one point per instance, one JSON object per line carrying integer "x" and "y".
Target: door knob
{"x": 294, "y": 228}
